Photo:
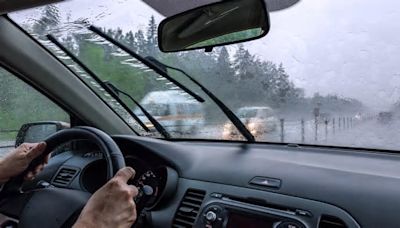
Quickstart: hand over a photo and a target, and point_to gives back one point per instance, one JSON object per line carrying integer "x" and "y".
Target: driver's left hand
{"x": 19, "y": 159}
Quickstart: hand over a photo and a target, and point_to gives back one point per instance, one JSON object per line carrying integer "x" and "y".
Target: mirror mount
{"x": 209, "y": 49}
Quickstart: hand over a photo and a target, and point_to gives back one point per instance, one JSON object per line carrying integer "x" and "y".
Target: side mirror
{"x": 213, "y": 25}
{"x": 38, "y": 131}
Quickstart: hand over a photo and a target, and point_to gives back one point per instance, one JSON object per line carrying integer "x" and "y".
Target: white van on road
{"x": 177, "y": 113}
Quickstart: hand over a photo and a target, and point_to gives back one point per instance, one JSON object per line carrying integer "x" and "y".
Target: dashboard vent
{"x": 327, "y": 221}
{"x": 64, "y": 176}
{"x": 189, "y": 208}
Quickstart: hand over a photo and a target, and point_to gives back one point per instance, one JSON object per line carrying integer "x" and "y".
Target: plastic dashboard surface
{"x": 361, "y": 188}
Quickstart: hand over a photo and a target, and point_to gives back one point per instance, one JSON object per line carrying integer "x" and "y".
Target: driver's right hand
{"x": 112, "y": 205}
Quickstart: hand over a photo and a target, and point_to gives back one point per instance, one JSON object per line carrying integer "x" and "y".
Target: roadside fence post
{"x": 316, "y": 129}
{"x": 302, "y": 131}
{"x": 326, "y": 128}
{"x": 333, "y": 125}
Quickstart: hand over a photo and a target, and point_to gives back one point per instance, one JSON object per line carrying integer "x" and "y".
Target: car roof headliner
{"x": 172, "y": 7}
{"x": 164, "y": 7}
{"x": 7, "y": 6}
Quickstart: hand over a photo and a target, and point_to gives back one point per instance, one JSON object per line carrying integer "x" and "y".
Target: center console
{"x": 212, "y": 205}
{"x": 231, "y": 212}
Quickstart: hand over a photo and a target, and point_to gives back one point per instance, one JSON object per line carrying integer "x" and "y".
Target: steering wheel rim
{"x": 110, "y": 150}
{"x": 33, "y": 215}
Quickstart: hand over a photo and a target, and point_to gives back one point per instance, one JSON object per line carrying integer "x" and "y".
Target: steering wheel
{"x": 57, "y": 207}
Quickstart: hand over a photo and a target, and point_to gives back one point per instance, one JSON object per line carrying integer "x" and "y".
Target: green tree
{"x": 224, "y": 70}
{"x": 130, "y": 40}
{"x": 50, "y": 17}
{"x": 140, "y": 42}
{"x": 243, "y": 61}
{"x": 151, "y": 41}
{"x": 283, "y": 85}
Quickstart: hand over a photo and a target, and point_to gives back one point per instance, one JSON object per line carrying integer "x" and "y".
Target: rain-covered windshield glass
{"x": 326, "y": 74}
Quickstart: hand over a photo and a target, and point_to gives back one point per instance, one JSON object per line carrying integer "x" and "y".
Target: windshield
{"x": 326, "y": 74}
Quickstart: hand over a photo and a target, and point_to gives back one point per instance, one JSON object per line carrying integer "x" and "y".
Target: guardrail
{"x": 318, "y": 127}
{"x": 7, "y": 131}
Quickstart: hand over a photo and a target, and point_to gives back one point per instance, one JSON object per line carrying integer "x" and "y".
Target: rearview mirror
{"x": 213, "y": 25}
{"x": 38, "y": 131}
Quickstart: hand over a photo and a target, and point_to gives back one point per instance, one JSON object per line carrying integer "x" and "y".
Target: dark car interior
{"x": 210, "y": 183}
{"x": 322, "y": 187}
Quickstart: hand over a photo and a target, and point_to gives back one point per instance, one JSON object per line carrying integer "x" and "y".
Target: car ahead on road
{"x": 174, "y": 111}
{"x": 259, "y": 121}
{"x": 90, "y": 63}
{"x": 385, "y": 117}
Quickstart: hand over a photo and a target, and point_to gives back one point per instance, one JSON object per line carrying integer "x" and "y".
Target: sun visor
{"x": 7, "y": 6}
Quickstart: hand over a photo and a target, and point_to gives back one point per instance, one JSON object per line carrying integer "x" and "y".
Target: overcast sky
{"x": 346, "y": 47}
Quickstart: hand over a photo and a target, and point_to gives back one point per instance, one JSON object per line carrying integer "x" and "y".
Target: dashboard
{"x": 205, "y": 184}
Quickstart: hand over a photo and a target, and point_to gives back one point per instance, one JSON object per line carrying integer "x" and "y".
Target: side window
{"x": 20, "y": 104}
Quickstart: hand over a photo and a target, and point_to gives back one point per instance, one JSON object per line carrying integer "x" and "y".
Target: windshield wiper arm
{"x": 153, "y": 121}
{"x": 149, "y": 64}
{"x": 231, "y": 116}
{"x": 97, "y": 79}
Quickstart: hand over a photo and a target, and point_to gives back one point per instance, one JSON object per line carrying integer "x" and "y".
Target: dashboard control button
{"x": 216, "y": 195}
{"x": 43, "y": 184}
{"x": 211, "y": 216}
{"x": 266, "y": 182}
{"x": 290, "y": 225}
{"x": 303, "y": 213}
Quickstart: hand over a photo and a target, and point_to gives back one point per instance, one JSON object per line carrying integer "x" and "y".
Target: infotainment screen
{"x": 240, "y": 221}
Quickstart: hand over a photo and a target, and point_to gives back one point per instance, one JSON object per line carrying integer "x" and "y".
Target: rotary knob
{"x": 211, "y": 216}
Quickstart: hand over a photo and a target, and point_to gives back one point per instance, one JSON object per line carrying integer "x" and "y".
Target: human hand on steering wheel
{"x": 111, "y": 206}
{"x": 18, "y": 160}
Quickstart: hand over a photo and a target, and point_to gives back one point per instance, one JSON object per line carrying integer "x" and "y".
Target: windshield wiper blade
{"x": 153, "y": 121}
{"x": 97, "y": 79}
{"x": 231, "y": 116}
{"x": 149, "y": 64}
